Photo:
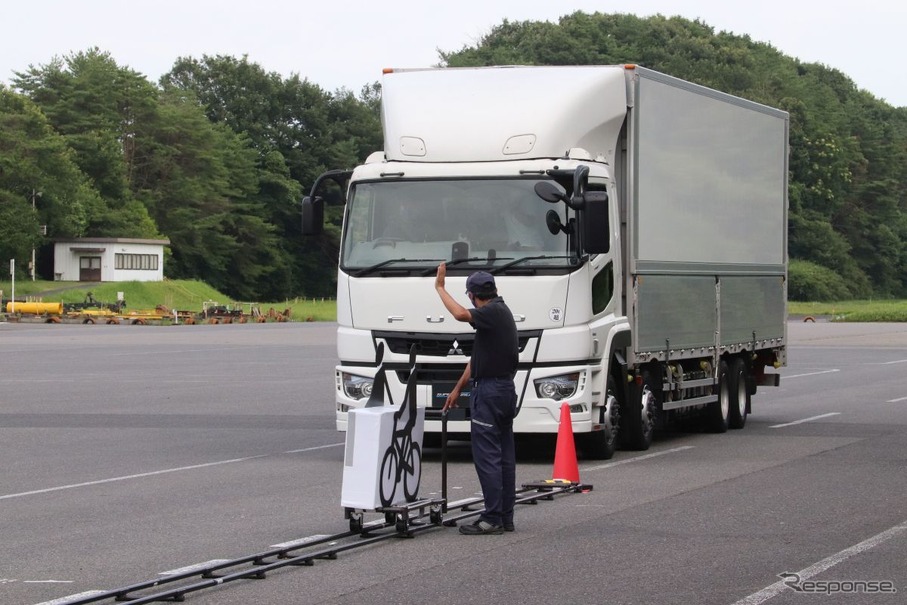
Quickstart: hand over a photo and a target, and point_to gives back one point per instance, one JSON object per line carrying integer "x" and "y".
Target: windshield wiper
{"x": 390, "y": 261}
{"x": 458, "y": 261}
{"x": 517, "y": 261}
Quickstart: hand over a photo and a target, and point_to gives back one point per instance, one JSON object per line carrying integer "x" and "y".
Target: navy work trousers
{"x": 493, "y": 410}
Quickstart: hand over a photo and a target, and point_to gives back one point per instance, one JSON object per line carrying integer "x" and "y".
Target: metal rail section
{"x": 256, "y": 566}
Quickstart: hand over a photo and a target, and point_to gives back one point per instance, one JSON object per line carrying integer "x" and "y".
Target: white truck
{"x": 636, "y": 225}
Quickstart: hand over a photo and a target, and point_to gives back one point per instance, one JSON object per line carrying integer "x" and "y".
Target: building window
{"x": 141, "y": 262}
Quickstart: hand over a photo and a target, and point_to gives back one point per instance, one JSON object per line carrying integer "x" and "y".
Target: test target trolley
{"x": 382, "y": 465}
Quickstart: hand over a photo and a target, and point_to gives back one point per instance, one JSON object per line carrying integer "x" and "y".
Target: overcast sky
{"x": 346, "y": 43}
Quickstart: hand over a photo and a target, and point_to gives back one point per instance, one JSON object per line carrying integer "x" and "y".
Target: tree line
{"x": 216, "y": 155}
{"x": 213, "y": 157}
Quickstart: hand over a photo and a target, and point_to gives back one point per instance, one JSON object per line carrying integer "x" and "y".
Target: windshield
{"x": 417, "y": 224}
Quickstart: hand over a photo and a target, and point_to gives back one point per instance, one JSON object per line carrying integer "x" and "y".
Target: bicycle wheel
{"x": 412, "y": 469}
{"x": 388, "y": 485}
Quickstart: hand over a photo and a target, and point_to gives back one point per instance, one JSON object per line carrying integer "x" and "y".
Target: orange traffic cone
{"x": 565, "y": 465}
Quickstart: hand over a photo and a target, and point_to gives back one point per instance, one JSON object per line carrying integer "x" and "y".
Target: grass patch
{"x": 184, "y": 295}
{"x": 853, "y": 310}
{"x": 190, "y": 295}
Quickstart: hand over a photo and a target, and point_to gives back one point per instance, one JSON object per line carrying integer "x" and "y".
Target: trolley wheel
{"x": 356, "y": 522}
{"x": 390, "y": 518}
{"x": 402, "y": 526}
{"x": 435, "y": 516}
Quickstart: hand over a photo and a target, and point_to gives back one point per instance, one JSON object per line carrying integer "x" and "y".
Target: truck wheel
{"x": 638, "y": 423}
{"x": 600, "y": 445}
{"x": 717, "y": 413}
{"x": 740, "y": 395}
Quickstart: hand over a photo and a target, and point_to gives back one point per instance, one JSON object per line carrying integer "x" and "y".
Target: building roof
{"x": 111, "y": 240}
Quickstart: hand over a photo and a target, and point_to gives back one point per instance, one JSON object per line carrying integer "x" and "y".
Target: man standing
{"x": 491, "y": 370}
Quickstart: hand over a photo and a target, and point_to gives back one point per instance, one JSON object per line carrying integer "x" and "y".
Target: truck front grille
{"x": 439, "y": 345}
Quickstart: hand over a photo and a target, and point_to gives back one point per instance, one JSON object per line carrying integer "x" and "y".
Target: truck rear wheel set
{"x": 718, "y": 412}
{"x": 731, "y": 408}
{"x": 739, "y": 395}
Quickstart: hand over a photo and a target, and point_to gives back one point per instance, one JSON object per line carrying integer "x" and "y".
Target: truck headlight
{"x": 557, "y": 387}
{"x": 357, "y": 387}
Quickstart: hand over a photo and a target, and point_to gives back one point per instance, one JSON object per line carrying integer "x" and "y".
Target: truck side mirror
{"x": 312, "y": 215}
{"x": 313, "y": 205}
{"x": 548, "y": 192}
{"x": 553, "y": 221}
{"x": 595, "y": 224}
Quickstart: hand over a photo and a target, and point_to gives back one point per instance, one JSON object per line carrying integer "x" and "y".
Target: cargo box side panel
{"x": 752, "y": 304}
{"x": 711, "y": 178}
{"x": 679, "y": 308}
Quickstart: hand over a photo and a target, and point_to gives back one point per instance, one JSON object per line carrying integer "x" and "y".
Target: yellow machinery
{"x": 35, "y": 308}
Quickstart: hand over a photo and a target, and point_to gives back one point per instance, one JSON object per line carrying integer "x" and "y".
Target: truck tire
{"x": 740, "y": 395}
{"x": 638, "y": 420}
{"x": 717, "y": 413}
{"x": 600, "y": 445}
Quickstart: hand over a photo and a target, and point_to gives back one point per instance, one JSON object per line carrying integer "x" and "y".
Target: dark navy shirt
{"x": 496, "y": 349}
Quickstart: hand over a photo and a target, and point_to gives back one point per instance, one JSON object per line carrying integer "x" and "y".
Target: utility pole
{"x": 31, "y": 267}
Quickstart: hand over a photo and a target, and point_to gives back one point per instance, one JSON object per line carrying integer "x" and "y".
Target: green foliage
{"x": 37, "y": 165}
{"x": 299, "y": 131}
{"x": 811, "y": 282}
{"x": 97, "y": 107}
{"x": 184, "y": 295}
{"x": 175, "y": 294}
{"x": 852, "y": 310}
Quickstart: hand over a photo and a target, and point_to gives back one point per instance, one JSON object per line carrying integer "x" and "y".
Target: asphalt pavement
{"x": 130, "y": 451}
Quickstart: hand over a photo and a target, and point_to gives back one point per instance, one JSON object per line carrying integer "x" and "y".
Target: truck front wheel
{"x": 638, "y": 421}
{"x": 600, "y": 445}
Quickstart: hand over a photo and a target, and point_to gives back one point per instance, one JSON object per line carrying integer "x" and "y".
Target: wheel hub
{"x": 611, "y": 414}
{"x": 648, "y": 407}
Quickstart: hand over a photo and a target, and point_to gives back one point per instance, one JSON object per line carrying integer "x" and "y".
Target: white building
{"x": 109, "y": 259}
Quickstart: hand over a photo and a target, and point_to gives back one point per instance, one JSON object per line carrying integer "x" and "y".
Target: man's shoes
{"x": 508, "y": 526}
{"x": 481, "y": 528}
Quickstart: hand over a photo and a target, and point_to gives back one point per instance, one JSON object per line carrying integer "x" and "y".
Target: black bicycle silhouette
{"x": 403, "y": 458}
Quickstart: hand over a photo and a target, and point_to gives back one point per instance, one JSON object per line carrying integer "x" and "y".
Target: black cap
{"x": 480, "y": 281}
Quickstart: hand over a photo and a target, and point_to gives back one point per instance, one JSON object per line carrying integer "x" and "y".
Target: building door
{"x": 89, "y": 268}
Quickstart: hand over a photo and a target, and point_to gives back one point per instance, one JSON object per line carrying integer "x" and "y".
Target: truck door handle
{"x": 392, "y": 318}
{"x": 519, "y": 318}
{"x": 435, "y": 321}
